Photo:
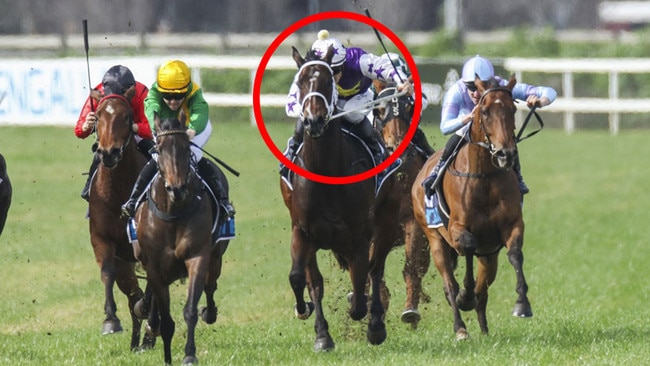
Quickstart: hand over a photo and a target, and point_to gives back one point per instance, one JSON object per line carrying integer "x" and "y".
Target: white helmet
{"x": 477, "y": 66}
{"x": 323, "y": 43}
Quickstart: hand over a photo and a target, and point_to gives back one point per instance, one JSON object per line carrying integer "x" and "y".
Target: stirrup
{"x": 128, "y": 209}
{"x": 228, "y": 208}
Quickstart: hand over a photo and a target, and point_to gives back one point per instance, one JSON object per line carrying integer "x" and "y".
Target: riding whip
{"x": 383, "y": 46}
{"x": 90, "y": 86}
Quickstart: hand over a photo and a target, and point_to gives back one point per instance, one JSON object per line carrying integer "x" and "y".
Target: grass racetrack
{"x": 586, "y": 251}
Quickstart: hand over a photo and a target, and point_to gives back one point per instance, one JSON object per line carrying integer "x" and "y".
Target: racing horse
{"x": 174, "y": 230}
{"x": 120, "y": 164}
{"x": 393, "y": 118}
{"x": 344, "y": 218}
{"x": 5, "y": 193}
{"x": 484, "y": 208}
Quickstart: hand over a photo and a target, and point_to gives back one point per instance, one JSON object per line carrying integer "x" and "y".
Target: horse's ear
{"x": 96, "y": 95}
{"x": 156, "y": 121}
{"x": 296, "y": 57}
{"x": 129, "y": 93}
{"x": 329, "y": 55}
{"x": 479, "y": 84}
{"x": 511, "y": 82}
{"x": 182, "y": 117}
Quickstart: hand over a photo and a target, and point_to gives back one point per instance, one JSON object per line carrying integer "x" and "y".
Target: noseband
{"x": 169, "y": 133}
{"x": 329, "y": 103}
{"x": 110, "y": 110}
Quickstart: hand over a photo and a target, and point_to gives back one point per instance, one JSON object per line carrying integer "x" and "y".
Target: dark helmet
{"x": 119, "y": 76}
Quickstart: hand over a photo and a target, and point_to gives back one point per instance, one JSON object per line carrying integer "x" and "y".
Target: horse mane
{"x": 492, "y": 82}
{"x": 170, "y": 124}
{"x": 113, "y": 87}
{"x": 312, "y": 55}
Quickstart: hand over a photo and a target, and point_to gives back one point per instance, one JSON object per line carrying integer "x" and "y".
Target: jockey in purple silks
{"x": 354, "y": 70}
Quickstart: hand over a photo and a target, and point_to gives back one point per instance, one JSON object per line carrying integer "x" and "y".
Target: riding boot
{"x": 451, "y": 145}
{"x": 146, "y": 175}
{"x": 85, "y": 193}
{"x": 207, "y": 172}
{"x": 523, "y": 188}
{"x": 421, "y": 144}
{"x": 146, "y": 146}
{"x": 369, "y": 135}
{"x": 292, "y": 146}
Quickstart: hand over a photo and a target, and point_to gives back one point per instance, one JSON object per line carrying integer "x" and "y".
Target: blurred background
{"x": 440, "y": 34}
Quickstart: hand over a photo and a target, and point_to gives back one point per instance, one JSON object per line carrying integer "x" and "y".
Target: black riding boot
{"x": 145, "y": 147}
{"x": 85, "y": 193}
{"x": 523, "y": 188}
{"x": 292, "y": 145}
{"x": 369, "y": 135}
{"x": 146, "y": 175}
{"x": 207, "y": 172}
{"x": 420, "y": 141}
{"x": 451, "y": 145}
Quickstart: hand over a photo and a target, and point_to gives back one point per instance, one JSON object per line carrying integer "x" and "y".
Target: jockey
{"x": 458, "y": 108}
{"x": 117, "y": 80}
{"x": 354, "y": 69}
{"x": 419, "y": 138}
{"x": 172, "y": 92}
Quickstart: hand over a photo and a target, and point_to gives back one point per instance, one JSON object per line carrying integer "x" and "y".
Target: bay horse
{"x": 5, "y": 193}
{"x": 174, "y": 231}
{"x": 393, "y": 119}
{"x": 484, "y": 207}
{"x": 344, "y": 218}
{"x": 120, "y": 166}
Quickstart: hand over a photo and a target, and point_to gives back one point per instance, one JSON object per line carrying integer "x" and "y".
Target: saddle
{"x": 287, "y": 175}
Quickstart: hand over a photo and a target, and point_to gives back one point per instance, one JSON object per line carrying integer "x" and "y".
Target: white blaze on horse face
{"x": 109, "y": 109}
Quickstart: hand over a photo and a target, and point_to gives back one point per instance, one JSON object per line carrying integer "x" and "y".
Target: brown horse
{"x": 119, "y": 168}
{"x": 5, "y": 193}
{"x": 343, "y": 218}
{"x": 174, "y": 231}
{"x": 393, "y": 118}
{"x": 484, "y": 202}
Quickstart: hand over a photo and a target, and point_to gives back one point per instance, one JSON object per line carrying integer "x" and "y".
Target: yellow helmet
{"x": 173, "y": 77}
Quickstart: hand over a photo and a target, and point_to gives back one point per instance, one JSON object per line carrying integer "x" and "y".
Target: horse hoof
{"x": 190, "y": 360}
{"x": 462, "y": 335}
{"x": 111, "y": 326}
{"x": 140, "y": 310}
{"x": 308, "y": 310}
{"x": 209, "y": 317}
{"x": 376, "y": 336}
{"x": 324, "y": 344}
{"x": 522, "y": 310}
{"x": 350, "y": 294}
{"x": 411, "y": 316}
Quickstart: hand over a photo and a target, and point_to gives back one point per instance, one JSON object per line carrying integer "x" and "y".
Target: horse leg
{"x": 128, "y": 283}
{"x": 297, "y": 276}
{"x": 416, "y": 266}
{"x": 516, "y": 257}
{"x": 464, "y": 240}
{"x": 209, "y": 312}
{"x": 197, "y": 269}
{"x": 161, "y": 304}
{"x": 486, "y": 273}
{"x": 152, "y": 326}
{"x": 445, "y": 260}
{"x": 324, "y": 341}
{"x": 108, "y": 273}
{"x": 376, "y": 328}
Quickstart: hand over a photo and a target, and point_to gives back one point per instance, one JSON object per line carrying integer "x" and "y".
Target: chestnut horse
{"x": 174, "y": 231}
{"x": 484, "y": 206}
{"x": 5, "y": 193}
{"x": 344, "y": 218}
{"x": 392, "y": 119}
{"x": 111, "y": 186}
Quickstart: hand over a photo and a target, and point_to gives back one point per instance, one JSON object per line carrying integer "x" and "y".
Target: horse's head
{"x": 114, "y": 124}
{"x": 493, "y": 124}
{"x": 317, "y": 91}
{"x": 392, "y": 115}
{"x": 174, "y": 156}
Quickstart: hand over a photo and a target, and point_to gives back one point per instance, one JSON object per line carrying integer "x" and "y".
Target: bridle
{"x": 487, "y": 143}
{"x": 329, "y": 102}
{"x": 109, "y": 109}
{"x": 390, "y": 95}
{"x": 170, "y": 133}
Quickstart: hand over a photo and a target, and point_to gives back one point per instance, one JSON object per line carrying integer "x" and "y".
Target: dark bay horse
{"x": 5, "y": 193}
{"x": 174, "y": 230}
{"x": 120, "y": 165}
{"x": 484, "y": 203}
{"x": 344, "y": 218}
{"x": 393, "y": 119}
